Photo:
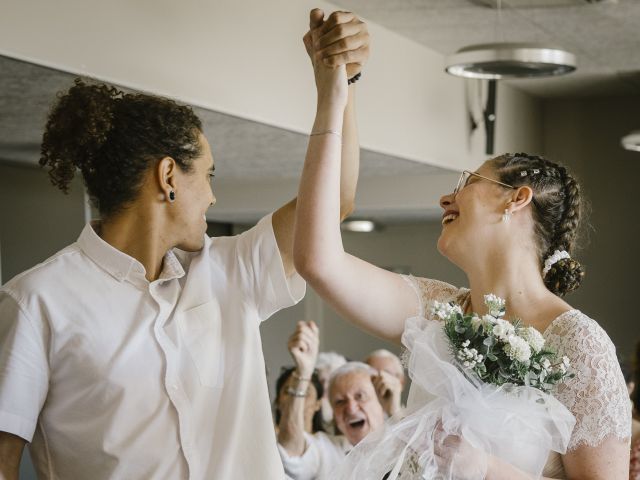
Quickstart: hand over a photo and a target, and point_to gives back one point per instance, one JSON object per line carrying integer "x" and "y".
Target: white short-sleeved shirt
{"x": 113, "y": 377}
{"x": 323, "y": 454}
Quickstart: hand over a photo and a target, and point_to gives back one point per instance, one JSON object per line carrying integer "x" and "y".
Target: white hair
{"x": 348, "y": 368}
{"x": 330, "y": 361}
{"x": 384, "y": 353}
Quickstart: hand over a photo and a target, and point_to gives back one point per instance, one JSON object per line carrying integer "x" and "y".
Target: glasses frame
{"x": 463, "y": 183}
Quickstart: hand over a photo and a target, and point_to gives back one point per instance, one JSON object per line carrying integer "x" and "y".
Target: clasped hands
{"x": 338, "y": 48}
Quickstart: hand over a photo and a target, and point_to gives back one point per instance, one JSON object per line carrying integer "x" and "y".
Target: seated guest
{"x": 312, "y": 413}
{"x": 356, "y": 411}
{"x": 390, "y": 379}
{"x": 326, "y": 364}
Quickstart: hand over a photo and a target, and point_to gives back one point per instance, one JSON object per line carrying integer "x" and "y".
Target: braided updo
{"x": 113, "y": 138}
{"x": 556, "y": 208}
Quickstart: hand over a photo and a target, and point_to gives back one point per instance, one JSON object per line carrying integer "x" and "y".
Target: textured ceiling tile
{"x": 605, "y": 36}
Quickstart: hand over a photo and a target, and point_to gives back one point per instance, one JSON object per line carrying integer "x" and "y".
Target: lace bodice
{"x": 597, "y": 396}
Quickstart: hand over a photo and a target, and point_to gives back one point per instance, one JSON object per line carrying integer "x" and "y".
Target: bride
{"x": 511, "y": 226}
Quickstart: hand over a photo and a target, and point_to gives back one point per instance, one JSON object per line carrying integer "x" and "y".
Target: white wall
{"x": 247, "y": 59}
{"x": 36, "y": 219}
{"x": 585, "y": 134}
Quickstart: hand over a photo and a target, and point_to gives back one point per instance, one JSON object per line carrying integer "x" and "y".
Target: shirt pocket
{"x": 201, "y": 331}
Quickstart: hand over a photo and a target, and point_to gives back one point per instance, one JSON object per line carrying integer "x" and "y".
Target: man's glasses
{"x": 466, "y": 175}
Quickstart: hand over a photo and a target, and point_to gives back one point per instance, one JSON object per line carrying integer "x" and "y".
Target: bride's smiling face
{"x": 470, "y": 214}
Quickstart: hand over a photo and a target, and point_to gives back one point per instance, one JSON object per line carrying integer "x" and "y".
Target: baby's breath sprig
{"x": 499, "y": 351}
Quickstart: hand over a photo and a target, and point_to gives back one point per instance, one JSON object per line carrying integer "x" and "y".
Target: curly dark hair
{"x": 316, "y": 422}
{"x": 113, "y": 137}
{"x": 557, "y": 210}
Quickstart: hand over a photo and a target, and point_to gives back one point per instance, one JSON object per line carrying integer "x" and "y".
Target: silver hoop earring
{"x": 506, "y": 216}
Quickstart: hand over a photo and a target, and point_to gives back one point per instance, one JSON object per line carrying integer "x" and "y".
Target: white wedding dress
{"x": 597, "y": 396}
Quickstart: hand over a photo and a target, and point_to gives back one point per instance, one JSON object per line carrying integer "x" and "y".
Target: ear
{"x": 166, "y": 175}
{"x": 520, "y": 198}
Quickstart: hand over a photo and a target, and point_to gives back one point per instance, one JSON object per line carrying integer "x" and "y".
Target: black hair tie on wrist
{"x": 354, "y": 79}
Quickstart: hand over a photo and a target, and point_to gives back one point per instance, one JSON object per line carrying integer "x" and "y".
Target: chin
{"x": 443, "y": 243}
{"x": 192, "y": 245}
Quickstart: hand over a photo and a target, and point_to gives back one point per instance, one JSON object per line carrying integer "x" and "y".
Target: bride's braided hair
{"x": 556, "y": 209}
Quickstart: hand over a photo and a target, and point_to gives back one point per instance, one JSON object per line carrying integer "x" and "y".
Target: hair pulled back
{"x": 556, "y": 208}
{"x": 113, "y": 137}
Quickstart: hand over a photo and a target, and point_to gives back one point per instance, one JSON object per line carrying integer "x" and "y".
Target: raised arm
{"x": 374, "y": 299}
{"x": 303, "y": 346}
{"x": 350, "y": 46}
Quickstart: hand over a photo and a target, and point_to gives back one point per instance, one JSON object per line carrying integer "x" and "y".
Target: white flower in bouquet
{"x": 518, "y": 349}
{"x": 445, "y": 310}
{"x": 533, "y": 337}
{"x": 498, "y": 351}
{"x": 503, "y": 329}
{"x": 469, "y": 356}
{"x": 476, "y": 322}
{"x": 496, "y": 305}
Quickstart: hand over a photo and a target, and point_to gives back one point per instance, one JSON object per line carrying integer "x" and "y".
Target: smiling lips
{"x": 449, "y": 216}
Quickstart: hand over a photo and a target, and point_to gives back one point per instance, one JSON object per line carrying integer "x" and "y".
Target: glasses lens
{"x": 462, "y": 181}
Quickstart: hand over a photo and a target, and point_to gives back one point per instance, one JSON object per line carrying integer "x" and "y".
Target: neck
{"x": 137, "y": 231}
{"x": 514, "y": 276}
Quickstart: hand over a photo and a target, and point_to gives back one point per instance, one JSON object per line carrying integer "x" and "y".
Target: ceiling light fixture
{"x": 361, "y": 226}
{"x": 631, "y": 141}
{"x": 495, "y": 61}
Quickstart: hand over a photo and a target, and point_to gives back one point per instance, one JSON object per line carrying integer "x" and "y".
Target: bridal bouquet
{"x": 480, "y": 388}
{"x": 499, "y": 351}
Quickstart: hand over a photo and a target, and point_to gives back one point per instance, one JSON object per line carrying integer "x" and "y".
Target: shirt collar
{"x": 120, "y": 265}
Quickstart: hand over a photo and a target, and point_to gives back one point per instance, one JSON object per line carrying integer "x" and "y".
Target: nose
{"x": 447, "y": 200}
{"x": 352, "y": 406}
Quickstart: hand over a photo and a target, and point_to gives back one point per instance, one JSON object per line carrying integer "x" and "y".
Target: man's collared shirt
{"x": 114, "y": 377}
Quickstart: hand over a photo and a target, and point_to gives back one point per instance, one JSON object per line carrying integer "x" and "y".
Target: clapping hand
{"x": 389, "y": 390}
{"x": 303, "y": 346}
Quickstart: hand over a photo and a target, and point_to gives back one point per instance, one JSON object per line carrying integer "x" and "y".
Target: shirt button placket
{"x": 172, "y": 384}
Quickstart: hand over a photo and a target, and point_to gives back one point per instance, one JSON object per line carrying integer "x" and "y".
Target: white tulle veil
{"x": 520, "y": 425}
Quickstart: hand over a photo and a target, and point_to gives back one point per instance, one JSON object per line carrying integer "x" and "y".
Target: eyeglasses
{"x": 466, "y": 175}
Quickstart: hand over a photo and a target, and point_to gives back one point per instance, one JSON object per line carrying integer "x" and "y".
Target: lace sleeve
{"x": 597, "y": 395}
{"x": 428, "y": 290}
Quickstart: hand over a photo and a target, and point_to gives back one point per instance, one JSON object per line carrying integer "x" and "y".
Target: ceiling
{"x": 604, "y": 35}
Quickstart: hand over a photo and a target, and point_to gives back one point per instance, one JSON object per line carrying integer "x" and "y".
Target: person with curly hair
{"x": 135, "y": 352}
{"x": 511, "y": 226}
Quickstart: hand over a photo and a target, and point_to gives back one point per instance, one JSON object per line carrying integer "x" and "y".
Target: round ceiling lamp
{"x": 360, "y": 226}
{"x": 631, "y": 141}
{"x": 510, "y": 60}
